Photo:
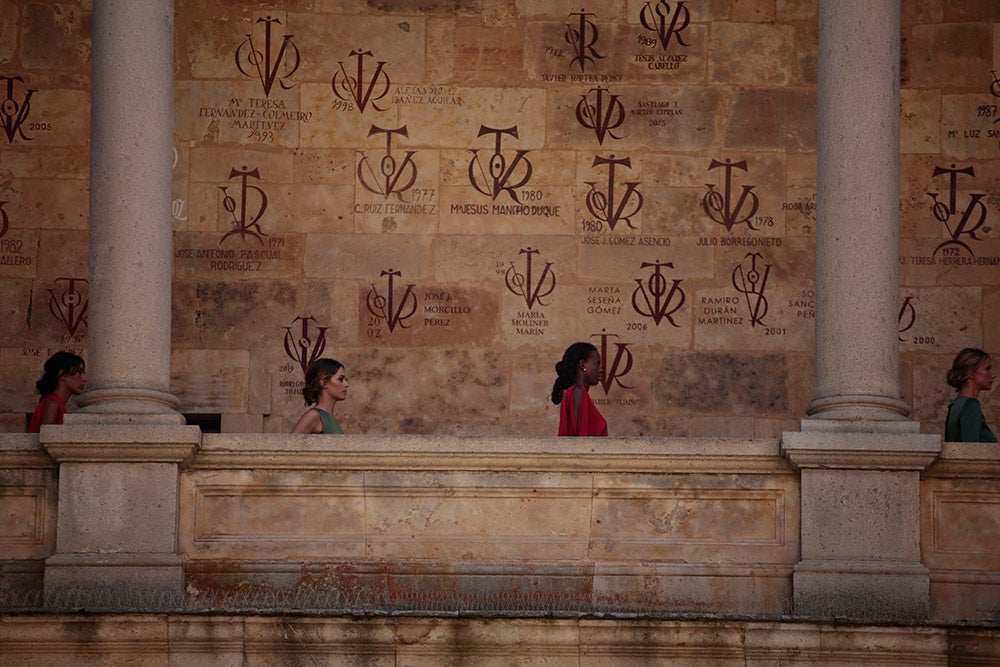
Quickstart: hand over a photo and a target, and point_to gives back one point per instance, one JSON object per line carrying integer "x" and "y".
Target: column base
{"x": 127, "y": 406}
{"x": 114, "y": 582}
{"x": 868, "y": 591}
{"x": 851, "y": 408}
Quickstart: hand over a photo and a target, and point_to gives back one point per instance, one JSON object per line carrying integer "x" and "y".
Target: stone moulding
{"x": 92, "y": 443}
{"x": 488, "y": 453}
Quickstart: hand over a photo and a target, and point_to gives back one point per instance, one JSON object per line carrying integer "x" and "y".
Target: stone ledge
{"x": 860, "y": 451}
{"x": 488, "y": 453}
{"x": 967, "y": 459}
{"x": 22, "y": 450}
{"x": 107, "y": 443}
{"x": 235, "y": 639}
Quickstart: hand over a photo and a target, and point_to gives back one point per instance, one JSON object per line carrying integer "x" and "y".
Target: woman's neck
{"x": 326, "y": 403}
{"x": 968, "y": 391}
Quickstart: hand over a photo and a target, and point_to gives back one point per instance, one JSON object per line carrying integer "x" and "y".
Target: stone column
{"x": 131, "y": 229}
{"x": 857, "y": 207}
{"x": 119, "y": 455}
{"x": 860, "y": 457}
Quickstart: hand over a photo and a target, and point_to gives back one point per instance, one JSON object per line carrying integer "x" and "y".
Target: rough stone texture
{"x": 950, "y": 56}
{"x": 704, "y": 382}
{"x": 737, "y": 83}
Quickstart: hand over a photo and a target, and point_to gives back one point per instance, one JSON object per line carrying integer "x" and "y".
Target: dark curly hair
{"x": 567, "y": 368}
{"x": 60, "y": 363}
{"x": 965, "y": 364}
{"x": 318, "y": 371}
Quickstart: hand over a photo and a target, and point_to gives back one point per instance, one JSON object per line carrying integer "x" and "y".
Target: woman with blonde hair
{"x": 971, "y": 372}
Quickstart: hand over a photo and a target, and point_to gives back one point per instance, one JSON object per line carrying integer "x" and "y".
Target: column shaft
{"x": 130, "y": 220}
{"x": 857, "y": 232}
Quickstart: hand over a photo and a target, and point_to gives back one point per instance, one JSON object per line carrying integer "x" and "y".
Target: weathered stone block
{"x": 950, "y": 56}
{"x": 752, "y": 53}
{"x": 719, "y": 382}
{"x": 55, "y": 35}
{"x": 777, "y": 119}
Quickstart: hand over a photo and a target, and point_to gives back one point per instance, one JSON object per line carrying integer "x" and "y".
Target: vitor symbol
{"x": 265, "y": 64}
{"x": 502, "y": 177}
{"x": 303, "y": 348}
{"x": 944, "y": 212}
{"x": 243, "y": 224}
{"x": 532, "y": 288}
{"x": 4, "y": 220}
{"x": 719, "y": 206}
{"x": 13, "y": 114}
{"x": 582, "y": 38}
{"x": 393, "y": 177}
{"x": 69, "y": 306}
{"x": 613, "y": 371}
{"x": 654, "y": 17}
{"x": 603, "y": 205}
{"x": 394, "y": 311}
{"x": 907, "y": 316}
{"x": 995, "y": 85}
{"x": 750, "y": 282}
{"x": 601, "y": 114}
{"x": 352, "y": 88}
{"x": 651, "y": 298}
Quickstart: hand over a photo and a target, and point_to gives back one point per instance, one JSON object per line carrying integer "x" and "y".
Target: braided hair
{"x": 566, "y": 369}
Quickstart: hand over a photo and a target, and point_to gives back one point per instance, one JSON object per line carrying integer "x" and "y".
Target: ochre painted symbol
{"x": 12, "y": 113}
{"x": 750, "y": 282}
{"x": 582, "y": 38}
{"x": 502, "y": 177}
{"x": 720, "y": 207}
{"x": 69, "y": 307}
{"x": 4, "y": 220}
{"x": 972, "y": 218}
{"x": 532, "y": 288}
{"x": 393, "y": 177}
{"x": 605, "y": 205}
{"x": 352, "y": 88}
{"x": 995, "y": 85}
{"x": 304, "y": 349}
{"x": 654, "y": 17}
{"x": 907, "y": 316}
{"x": 612, "y": 372}
{"x": 600, "y": 113}
{"x": 244, "y": 224}
{"x": 651, "y": 298}
{"x": 392, "y": 310}
{"x": 265, "y": 64}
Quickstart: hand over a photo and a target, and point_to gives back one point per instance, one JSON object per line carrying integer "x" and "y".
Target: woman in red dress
{"x": 64, "y": 376}
{"x": 579, "y": 370}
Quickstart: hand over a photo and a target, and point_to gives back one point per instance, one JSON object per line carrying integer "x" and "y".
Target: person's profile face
{"x": 592, "y": 369}
{"x": 336, "y": 385}
{"x": 982, "y": 378}
{"x": 75, "y": 380}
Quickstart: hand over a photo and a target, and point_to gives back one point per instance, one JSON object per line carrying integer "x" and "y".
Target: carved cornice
{"x": 120, "y": 443}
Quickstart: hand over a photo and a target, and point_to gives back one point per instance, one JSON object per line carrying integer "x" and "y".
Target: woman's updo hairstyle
{"x": 567, "y": 368}
{"x": 318, "y": 371}
{"x": 60, "y": 363}
{"x": 965, "y": 364}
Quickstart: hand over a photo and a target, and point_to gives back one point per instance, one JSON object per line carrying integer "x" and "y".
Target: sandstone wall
{"x": 444, "y": 195}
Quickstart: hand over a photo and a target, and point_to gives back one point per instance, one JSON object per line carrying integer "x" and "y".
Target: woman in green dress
{"x": 326, "y": 385}
{"x": 971, "y": 372}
